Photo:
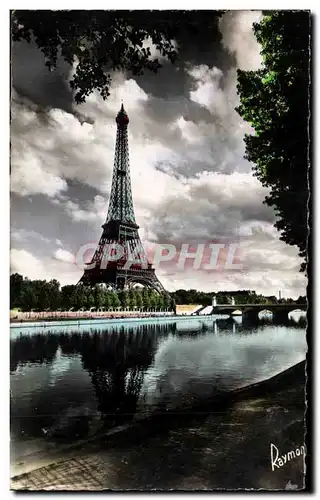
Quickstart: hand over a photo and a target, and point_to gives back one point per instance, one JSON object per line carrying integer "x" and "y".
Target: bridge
{"x": 251, "y": 312}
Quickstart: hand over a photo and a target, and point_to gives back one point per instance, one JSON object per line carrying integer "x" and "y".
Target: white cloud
{"x": 208, "y": 89}
{"x": 95, "y": 210}
{"x": 45, "y": 156}
{"x": 29, "y": 175}
{"x": 210, "y": 205}
{"x": 190, "y": 132}
{"x": 24, "y": 235}
{"x": 63, "y": 255}
{"x": 267, "y": 283}
{"x": 25, "y": 263}
{"x": 28, "y": 265}
{"x": 121, "y": 90}
{"x": 239, "y": 39}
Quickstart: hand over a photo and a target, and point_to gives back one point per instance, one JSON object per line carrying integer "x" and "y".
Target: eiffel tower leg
{"x": 156, "y": 284}
{"x": 149, "y": 281}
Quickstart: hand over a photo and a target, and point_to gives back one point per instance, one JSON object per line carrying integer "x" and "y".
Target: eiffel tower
{"x": 120, "y": 260}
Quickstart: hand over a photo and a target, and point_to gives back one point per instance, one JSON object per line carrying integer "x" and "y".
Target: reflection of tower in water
{"x": 61, "y": 407}
{"x": 116, "y": 362}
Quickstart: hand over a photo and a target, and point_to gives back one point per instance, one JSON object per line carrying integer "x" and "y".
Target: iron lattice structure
{"x": 120, "y": 230}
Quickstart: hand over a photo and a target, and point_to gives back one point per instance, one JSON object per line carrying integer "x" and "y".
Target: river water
{"x": 69, "y": 382}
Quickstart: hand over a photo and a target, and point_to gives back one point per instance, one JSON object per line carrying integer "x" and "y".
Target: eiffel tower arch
{"x": 120, "y": 260}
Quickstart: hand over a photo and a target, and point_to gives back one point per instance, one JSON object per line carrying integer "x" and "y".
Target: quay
{"x": 100, "y": 320}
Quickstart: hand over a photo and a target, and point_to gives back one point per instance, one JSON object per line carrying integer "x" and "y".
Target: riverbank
{"x": 42, "y": 317}
{"x": 17, "y": 316}
{"x": 103, "y": 320}
{"x": 224, "y": 444}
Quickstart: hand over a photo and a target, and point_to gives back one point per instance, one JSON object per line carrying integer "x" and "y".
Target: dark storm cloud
{"x": 32, "y": 79}
{"x": 52, "y": 222}
{"x": 197, "y": 44}
{"x": 36, "y": 85}
{"x": 180, "y": 222}
{"x": 162, "y": 110}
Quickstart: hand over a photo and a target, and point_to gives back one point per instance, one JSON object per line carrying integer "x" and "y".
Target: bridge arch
{"x": 262, "y": 313}
{"x": 298, "y": 315}
{"x": 265, "y": 314}
{"x": 298, "y": 310}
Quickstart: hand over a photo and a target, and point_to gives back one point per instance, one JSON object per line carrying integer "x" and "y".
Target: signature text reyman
{"x": 278, "y": 460}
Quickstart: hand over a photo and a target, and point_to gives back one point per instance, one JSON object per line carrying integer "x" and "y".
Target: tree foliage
{"x": 16, "y": 281}
{"x": 105, "y": 41}
{"x": 275, "y": 101}
{"x": 41, "y": 294}
{"x": 44, "y": 295}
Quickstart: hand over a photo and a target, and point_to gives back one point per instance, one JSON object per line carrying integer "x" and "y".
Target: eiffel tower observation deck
{"x": 120, "y": 260}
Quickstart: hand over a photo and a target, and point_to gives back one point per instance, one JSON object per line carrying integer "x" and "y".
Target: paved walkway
{"x": 227, "y": 449}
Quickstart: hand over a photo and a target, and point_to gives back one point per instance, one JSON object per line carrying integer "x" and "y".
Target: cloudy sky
{"x": 190, "y": 181}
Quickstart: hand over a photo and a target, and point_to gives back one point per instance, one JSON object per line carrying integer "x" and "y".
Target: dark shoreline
{"x": 281, "y": 393}
{"x": 293, "y": 377}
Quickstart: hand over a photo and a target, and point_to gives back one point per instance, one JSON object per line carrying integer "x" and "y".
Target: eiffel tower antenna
{"x": 120, "y": 230}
